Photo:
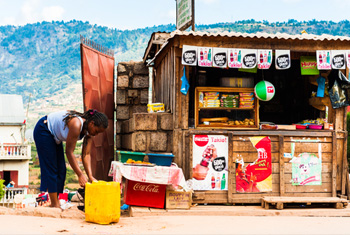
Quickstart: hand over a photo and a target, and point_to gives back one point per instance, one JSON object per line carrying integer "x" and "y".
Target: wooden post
{"x": 281, "y": 161}
{"x": 334, "y": 165}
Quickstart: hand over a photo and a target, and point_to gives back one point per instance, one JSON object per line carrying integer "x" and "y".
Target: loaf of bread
{"x": 218, "y": 119}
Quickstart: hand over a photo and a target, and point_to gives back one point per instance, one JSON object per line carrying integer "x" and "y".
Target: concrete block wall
{"x": 138, "y": 130}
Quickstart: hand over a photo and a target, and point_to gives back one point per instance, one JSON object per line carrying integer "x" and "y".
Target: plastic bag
{"x": 339, "y": 87}
{"x": 184, "y": 85}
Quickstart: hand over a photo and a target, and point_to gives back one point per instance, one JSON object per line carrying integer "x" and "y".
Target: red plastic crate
{"x": 144, "y": 194}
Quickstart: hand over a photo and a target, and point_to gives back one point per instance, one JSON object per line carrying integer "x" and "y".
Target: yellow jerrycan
{"x": 102, "y": 202}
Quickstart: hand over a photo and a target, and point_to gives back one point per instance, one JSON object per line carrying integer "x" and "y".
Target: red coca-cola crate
{"x": 144, "y": 194}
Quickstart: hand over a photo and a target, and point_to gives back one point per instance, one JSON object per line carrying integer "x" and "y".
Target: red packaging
{"x": 63, "y": 196}
{"x": 144, "y": 194}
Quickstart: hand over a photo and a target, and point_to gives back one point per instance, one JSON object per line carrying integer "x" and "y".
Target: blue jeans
{"x": 51, "y": 158}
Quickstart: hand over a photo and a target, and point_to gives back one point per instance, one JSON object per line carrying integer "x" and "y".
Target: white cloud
{"x": 29, "y": 12}
{"x": 52, "y": 13}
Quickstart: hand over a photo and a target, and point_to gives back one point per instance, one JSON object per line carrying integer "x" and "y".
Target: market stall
{"x": 256, "y": 115}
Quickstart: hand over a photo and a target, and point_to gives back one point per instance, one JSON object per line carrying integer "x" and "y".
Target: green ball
{"x": 264, "y": 90}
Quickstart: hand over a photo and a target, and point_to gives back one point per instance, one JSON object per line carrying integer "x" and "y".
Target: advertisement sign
{"x": 323, "y": 60}
{"x": 248, "y": 58}
{"x": 338, "y": 59}
{"x": 234, "y": 58}
{"x": 308, "y": 65}
{"x": 189, "y": 55}
{"x": 183, "y": 14}
{"x": 306, "y": 169}
{"x": 219, "y": 57}
{"x": 205, "y": 56}
{"x": 348, "y": 58}
{"x": 256, "y": 176}
{"x": 264, "y": 59}
{"x": 210, "y": 162}
{"x": 283, "y": 59}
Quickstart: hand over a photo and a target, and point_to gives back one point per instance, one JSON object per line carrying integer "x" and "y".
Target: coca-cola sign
{"x": 151, "y": 188}
{"x": 201, "y": 140}
{"x": 189, "y": 55}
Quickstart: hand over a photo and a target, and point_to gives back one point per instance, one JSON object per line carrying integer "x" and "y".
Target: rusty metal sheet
{"x": 97, "y": 65}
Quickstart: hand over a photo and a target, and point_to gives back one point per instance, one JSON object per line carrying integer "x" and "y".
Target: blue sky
{"x": 132, "y": 14}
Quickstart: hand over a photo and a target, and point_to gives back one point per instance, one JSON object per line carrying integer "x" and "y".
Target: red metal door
{"x": 97, "y": 66}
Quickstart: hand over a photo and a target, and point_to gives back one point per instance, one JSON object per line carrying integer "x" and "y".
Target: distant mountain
{"x": 44, "y": 58}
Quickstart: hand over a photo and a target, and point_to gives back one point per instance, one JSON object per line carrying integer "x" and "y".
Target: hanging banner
{"x": 219, "y": 57}
{"x": 306, "y": 169}
{"x": 338, "y": 59}
{"x": 234, "y": 58}
{"x": 282, "y": 59}
{"x": 257, "y": 176}
{"x": 348, "y": 58}
{"x": 248, "y": 58}
{"x": 210, "y": 161}
{"x": 323, "y": 60}
{"x": 205, "y": 56}
{"x": 308, "y": 65}
{"x": 264, "y": 59}
{"x": 189, "y": 55}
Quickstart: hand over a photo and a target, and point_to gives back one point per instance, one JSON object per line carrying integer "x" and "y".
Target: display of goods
{"x": 155, "y": 108}
{"x": 245, "y": 122}
{"x": 315, "y": 126}
{"x": 300, "y": 126}
{"x": 264, "y": 90}
{"x": 123, "y": 156}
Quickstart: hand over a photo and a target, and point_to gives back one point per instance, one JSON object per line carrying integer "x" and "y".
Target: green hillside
{"x": 43, "y": 59}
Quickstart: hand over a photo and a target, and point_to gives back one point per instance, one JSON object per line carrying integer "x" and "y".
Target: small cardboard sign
{"x": 264, "y": 59}
{"x": 308, "y": 65}
{"x": 219, "y": 57}
{"x": 323, "y": 60}
{"x": 189, "y": 55}
{"x": 234, "y": 58}
{"x": 283, "y": 59}
{"x": 249, "y": 59}
{"x": 205, "y": 56}
{"x": 178, "y": 200}
{"x": 338, "y": 59}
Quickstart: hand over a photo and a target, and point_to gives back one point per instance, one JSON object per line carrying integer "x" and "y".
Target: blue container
{"x": 160, "y": 159}
{"x": 123, "y": 156}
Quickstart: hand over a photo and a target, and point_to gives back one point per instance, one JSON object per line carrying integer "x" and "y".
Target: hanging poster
{"x": 308, "y": 65}
{"x": 234, "y": 58}
{"x": 257, "y": 176}
{"x": 323, "y": 60}
{"x": 219, "y": 57}
{"x": 338, "y": 59}
{"x": 210, "y": 162}
{"x": 189, "y": 55}
{"x": 248, "y": 58}
{"x": 205, "y": 56}
{"x": 282, "y": 59}
{"x": 348, "y": 58}
{"x": 264, "y": 59}
{"x": 306, "y": 169}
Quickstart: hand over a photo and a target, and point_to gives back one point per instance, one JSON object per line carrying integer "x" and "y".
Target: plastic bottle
{"x": 209, "y": 54}
{"x": 218, "y": 182}
{"x": 239, "y": 56}
{"x": 223, "y": 181}
{"x": 231, "y": 57}
{"x": 328, "y": 58}
{"x": 269, "y": 57}
{"x": 212, "y": 181}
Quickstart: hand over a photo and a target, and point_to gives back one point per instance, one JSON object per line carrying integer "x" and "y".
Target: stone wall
{"x": 138, "y": 130}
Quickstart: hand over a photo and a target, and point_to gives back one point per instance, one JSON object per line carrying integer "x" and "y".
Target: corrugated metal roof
{"x": 11, "y": 109}
{"x": 286, "y": 36}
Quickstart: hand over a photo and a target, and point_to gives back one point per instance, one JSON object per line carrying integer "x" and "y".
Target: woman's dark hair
{"x": 100, "y": 119}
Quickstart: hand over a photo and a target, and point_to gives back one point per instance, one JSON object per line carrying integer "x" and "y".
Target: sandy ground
{"x": 15, "y": 224}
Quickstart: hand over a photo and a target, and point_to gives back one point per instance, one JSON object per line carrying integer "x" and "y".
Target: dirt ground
{"x": 198, "y": 220}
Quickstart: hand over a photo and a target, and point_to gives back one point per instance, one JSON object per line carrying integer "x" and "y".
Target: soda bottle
{"x": 231, "y": 56}
{"x": 209, "y": 54}
{"x": 235, "y": 57}
{"x": 205, "y": 54}
{"x": 320, "y": 58}
{"x": 265, "y": 57}
{"x": 349, "y": 58}
{"x": 212, "y": 181}
{"x": 328, "y": 58}
{"x": 269, "y": 57}
{"x": 223, "y": 182}
{"x": 261, "y": 58}
{"x": 218, "y": 181}
{"x": 201, "y": 54}
{"x": 207, "y": 155}
{"x": 239, "y": 56}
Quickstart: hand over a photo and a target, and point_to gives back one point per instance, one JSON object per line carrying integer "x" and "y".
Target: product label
{"x": 189, "y": 55}
{"x": 282, "y": 59}
{"x": 338, "y": 59}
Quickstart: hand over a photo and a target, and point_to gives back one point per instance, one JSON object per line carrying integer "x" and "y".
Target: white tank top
{"x": 57, "y": 126}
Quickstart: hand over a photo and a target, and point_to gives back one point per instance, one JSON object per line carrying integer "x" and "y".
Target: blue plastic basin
{"x": 160, "y": 159}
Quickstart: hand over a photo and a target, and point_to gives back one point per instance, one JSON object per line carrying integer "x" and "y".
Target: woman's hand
{"x": 82, "y": 180}
{"x": 92, "y": 179}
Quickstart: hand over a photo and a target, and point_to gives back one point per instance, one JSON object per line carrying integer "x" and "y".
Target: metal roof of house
{"x": 283, "y": 36}
{"x": 11, "y": 109}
